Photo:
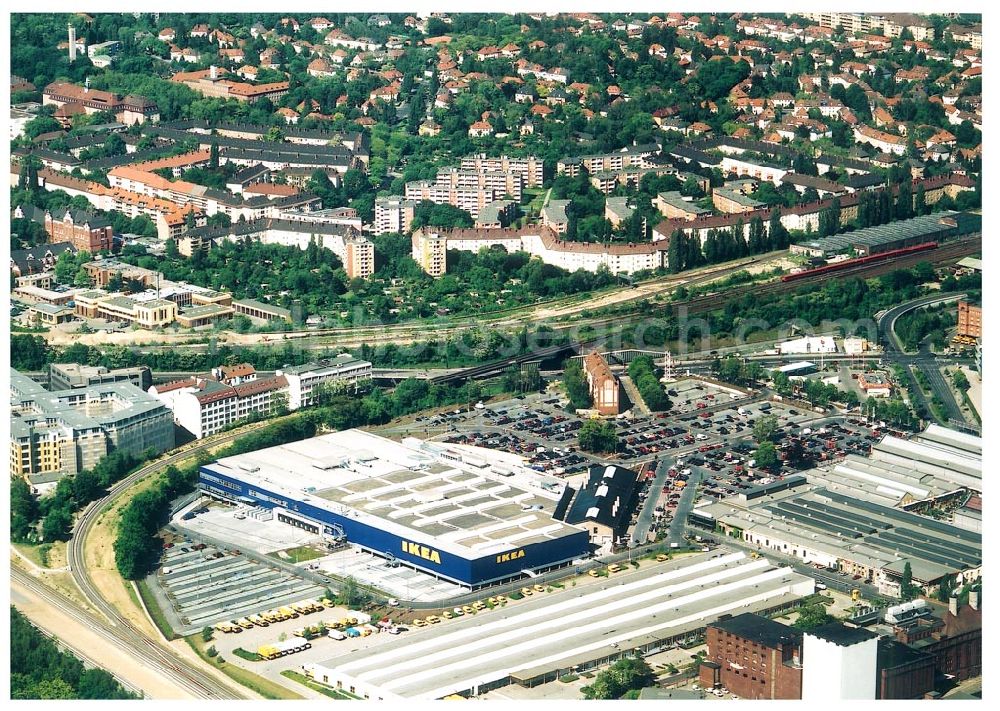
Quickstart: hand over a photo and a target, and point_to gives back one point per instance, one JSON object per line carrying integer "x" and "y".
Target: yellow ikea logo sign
{"x": 421, "y": 551}
{"x": 513, "y": 555}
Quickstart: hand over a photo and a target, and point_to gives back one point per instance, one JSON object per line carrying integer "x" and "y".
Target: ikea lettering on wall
{"x": 422, "y": 551}
{"x": 513, "y": 555}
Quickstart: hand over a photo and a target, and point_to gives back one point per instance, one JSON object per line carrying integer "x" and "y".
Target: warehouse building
{"x": 566, "y": 631}
{"x": 838, "y": 530}
{"x": 936, "y": 466}
{"x": 431, "y": 507}
{"x": 893, "y": 235}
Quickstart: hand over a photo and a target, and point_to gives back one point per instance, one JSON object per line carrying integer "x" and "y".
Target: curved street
{"x": 923, "y": 359}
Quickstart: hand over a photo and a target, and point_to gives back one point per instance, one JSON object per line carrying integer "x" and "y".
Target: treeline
{"x": 644, "y": 376}
{"x": 50, "y": 518}
{"x": 39, "y": 670}
{"x": 32, "y": 353}
{"x": 914, "y": 327}
{"x": 687, "y": 252}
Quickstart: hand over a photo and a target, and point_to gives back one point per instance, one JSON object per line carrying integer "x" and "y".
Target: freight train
{"x": 870, "y": 259}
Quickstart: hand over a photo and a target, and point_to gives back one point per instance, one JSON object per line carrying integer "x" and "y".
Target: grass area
{"x": 39, "y": 555}
{"x": 149, "y": 601}
{"x": 298, "y": 554}
{"x": 265, "y": 687}
{"x": 244, "y": 654}
{"x": 325, "y": 690}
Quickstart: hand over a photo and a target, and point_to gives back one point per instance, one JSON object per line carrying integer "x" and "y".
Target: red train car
{"x": 870, "y": 259}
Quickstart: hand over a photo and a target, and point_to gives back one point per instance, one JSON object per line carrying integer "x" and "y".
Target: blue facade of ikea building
{"x": 417, "y": 551}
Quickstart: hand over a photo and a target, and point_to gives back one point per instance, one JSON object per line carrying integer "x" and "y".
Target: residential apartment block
{"x": 471, "y": 199}
{"x": 430, "y": 251}
{"x": 532, "y": 167}
{"x": 546, "y": 244}
{"x": 499, "y": 181}
{"x": 54, "y": 433}
{"x": 393, "y": 214}
{"x": 205, "y": 405}
{"x": 554, "y": 216}
{"x": 631, "y": 157}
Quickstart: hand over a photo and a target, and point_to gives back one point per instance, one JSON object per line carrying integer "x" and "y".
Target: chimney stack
{"x": 974, "y": 599}
{"x": 72, "y": 42}
{"x": 953, "y": 606}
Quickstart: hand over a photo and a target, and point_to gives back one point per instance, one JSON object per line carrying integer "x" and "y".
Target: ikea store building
{"x": 445, "y": 510}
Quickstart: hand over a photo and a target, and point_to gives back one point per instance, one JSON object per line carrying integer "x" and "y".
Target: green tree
{"x": 86, "y": 487}
{"x": 624, "y": 676}
{"x": 907, "y": 590}
{"x": 764, "y": 428}
{"x": 811, "y": 617}
{"x": 575, "y": 385}
{"x": 23, "y": 509}
{"x": 597, "y": 436}
{"x": 56, "y": 525}
{"x": 766, "y": 456}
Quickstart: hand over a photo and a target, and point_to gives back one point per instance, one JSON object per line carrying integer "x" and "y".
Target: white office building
{"x": 303, "y": 379}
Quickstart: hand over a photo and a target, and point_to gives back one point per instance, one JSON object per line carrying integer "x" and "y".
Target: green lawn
{"x": 325, "y": 690}
{"x": 299, "y": 554}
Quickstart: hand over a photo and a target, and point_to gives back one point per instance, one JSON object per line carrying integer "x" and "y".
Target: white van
{"x": 336, "y": 634}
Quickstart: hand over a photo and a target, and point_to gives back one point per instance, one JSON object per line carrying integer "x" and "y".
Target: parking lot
{"x": 323, "y": 647}
{"x": 255, "y": 529}
{"x": 707, "y": 435}
{"x": 199, "y": 585}
{"x": 246, "y": 527}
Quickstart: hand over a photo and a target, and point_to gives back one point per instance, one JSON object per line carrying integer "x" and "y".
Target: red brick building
{"x": 903, "y": 672}
{"x": 605, "y": 389}
{"x": 754, "y": 657}
{"x": 84, "y": 231}
{"x": 954, "y": 636}
{"x": 970, "y": 320}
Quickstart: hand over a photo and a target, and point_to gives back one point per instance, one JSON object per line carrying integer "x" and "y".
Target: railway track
{"x": 945, "y": 253}
{"x": 122, "y": 630}
{"x": 130, "y": 640}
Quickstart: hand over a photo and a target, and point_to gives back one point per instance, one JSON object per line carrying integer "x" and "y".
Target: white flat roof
{"x": 563, "y": 627}
{"x": 426, "y": 492}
